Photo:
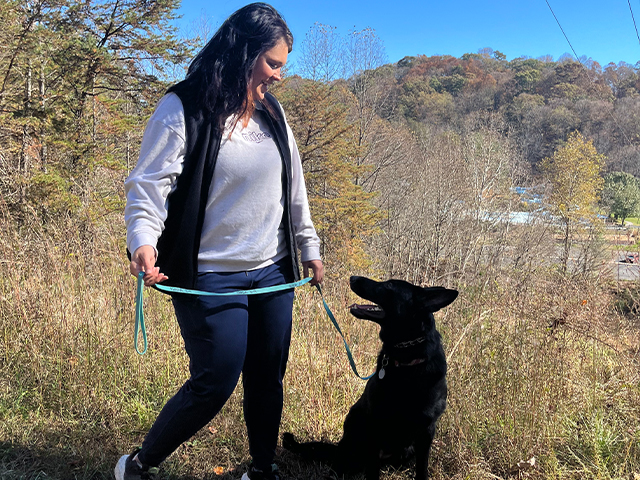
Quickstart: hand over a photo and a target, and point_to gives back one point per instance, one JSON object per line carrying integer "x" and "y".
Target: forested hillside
{"x": 540, "y": 100}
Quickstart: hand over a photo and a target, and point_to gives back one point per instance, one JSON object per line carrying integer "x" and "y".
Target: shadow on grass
{"x": 30, "y": 462}
{"x": 26, "y": 462}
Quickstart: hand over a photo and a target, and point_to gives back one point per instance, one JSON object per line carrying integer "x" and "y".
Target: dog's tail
{"x": 318, "y": 451}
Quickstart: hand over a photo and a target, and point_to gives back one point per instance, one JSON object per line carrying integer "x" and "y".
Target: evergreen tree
{"x": 77, "y": 81}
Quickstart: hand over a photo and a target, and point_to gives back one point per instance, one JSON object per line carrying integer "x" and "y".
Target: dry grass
{"x": 539, "y": 367}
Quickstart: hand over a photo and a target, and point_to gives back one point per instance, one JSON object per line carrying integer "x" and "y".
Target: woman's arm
{"x": 148, "y": 185}
{"x": 306, "y": 236}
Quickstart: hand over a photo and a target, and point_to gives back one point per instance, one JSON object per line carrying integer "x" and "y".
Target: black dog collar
{"x": 385, "y": 363}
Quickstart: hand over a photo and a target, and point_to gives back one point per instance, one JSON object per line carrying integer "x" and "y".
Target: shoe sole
{"x": 120, "y": 466}
{"x": 245, "y": 477}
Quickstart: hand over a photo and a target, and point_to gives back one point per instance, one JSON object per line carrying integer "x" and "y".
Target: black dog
{"x": 398, "y": 410}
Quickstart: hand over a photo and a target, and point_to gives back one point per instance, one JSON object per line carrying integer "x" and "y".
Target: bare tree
{"x": 364, "y": 51}
{"x": 322, "y": 49}
{"x": 373, "y": 87}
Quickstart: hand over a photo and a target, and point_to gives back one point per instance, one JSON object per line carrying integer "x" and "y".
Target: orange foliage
{"x": 445, "y": 65}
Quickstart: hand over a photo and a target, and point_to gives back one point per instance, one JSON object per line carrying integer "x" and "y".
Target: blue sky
{"x": 600, "y": 29}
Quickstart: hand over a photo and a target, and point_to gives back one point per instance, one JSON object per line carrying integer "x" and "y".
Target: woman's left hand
{"x": 316, "y": 268}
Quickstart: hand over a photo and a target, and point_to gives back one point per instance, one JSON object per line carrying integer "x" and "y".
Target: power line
{"x": 562, "y": 29}
{"x": 586, "y": 70}
{"x": 634, "y": 20}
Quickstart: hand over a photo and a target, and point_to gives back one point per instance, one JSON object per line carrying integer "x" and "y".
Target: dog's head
{"x": 399, "y": 306}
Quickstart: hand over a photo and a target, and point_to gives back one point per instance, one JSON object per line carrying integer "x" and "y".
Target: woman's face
{"x": 268, "y": 70}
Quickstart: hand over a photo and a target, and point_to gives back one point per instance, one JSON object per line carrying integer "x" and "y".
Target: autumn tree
{"x": 573, "y": 173}
{"x": 364, "y": 51}
{"x": 446, "y": 204}
{"x": 343, "y": 212}
{"x": 334, "y": 119}
{"x": 527, "y": 73}
{"x": 373, "y": 87}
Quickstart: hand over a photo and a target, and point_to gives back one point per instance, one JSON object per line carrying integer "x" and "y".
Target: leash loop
{"x": 139, "y": 325}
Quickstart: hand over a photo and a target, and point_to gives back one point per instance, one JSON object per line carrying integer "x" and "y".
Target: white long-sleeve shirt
{"x": 242, "y": 227}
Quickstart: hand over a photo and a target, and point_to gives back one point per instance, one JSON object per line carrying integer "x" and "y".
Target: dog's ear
{"x": 435, "y": 298}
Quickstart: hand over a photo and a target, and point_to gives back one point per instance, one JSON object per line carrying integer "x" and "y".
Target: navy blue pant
{"x": 226, "y": 336}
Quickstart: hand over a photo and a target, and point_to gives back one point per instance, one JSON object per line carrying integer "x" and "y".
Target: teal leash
{"x": 255, "y": 291}
{"x": 140, "y": 327}
{"x": 346, "y": 346}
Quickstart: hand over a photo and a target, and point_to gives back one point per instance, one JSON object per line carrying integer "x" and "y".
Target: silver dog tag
{"x": 385, "y": 362}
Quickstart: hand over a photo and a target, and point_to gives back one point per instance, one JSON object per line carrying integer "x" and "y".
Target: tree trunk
{"x": 567, "y": 246}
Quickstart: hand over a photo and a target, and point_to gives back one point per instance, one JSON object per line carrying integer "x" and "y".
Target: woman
{"x": 217, "y": 202}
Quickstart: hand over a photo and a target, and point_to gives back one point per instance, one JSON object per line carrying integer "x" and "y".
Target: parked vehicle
{"x": 629, "y": 258}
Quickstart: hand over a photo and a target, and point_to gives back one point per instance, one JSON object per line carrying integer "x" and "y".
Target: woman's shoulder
{"x": 170, "y": 103}
{"x": 275, "y": 108}
{"x": 169, "y": 111}
{"x": 270, "y": 100}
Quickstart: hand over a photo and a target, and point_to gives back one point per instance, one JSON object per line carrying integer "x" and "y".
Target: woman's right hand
{"x": 144, "y": 260}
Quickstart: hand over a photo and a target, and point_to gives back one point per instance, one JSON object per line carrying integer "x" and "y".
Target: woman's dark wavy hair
{"x": 219, "y": 75}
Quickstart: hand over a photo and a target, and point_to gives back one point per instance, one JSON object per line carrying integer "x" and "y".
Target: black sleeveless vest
{"x": 179, "y": 242}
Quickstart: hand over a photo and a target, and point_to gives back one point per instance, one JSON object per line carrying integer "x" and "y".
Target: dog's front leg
{"x": 423, "y": 449}
{"x": 422, "y": 460}
{"x": 372, "y": 471}
{"x": 373, "y": 462}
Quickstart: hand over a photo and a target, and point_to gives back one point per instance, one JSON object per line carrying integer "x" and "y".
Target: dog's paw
{"x": 289, "y": 441}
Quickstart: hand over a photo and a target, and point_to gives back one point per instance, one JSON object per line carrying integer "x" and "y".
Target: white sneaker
{"x": 128, "y": 469}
